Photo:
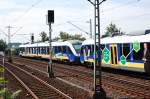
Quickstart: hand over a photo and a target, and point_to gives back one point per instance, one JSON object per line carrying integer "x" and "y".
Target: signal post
{"x": 50, "y": 21}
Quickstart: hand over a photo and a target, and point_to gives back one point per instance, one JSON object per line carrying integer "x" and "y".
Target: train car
{"x": 63, "y": 51}
{"x": 123, "y": 52}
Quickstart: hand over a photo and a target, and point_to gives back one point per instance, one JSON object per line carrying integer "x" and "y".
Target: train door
{"x": 114, "y": 54}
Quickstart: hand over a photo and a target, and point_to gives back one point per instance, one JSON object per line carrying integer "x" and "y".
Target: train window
{"x": 38, "y": 50}
{"x": 86, "y": 49}
{"x": 139, "y": 55}
{"x": 112, "y": 59}
{"x": 54, "y": 49}
{"x": 69, "y": 50}
{"x": 90, "y": 49}
{"x": 125, "y": 50}
{"x": 43, "y": 50}
{"x": 59, "y": 49}
{"x": 47, "y": 50}
{"x": 30, "y": 50}
{"x": 82, "y": 49}
{"x": 64, "y": 49}
{"x": 34, "y": 50}
{"x": 77, "y": 47}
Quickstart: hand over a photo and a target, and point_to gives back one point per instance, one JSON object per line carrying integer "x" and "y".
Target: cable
{"x": 136, "y": 16}
{"x": 3, "y": 32}
{"x": 78, "y": 27}
{"x": 120, "y": 6}
{"x": 16, "y": 31}
{"x": 26, "y": 11}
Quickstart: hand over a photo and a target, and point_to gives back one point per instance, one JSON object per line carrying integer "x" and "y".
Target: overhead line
{"x": 120, "y": 6}
{"x": 26, "y": 11}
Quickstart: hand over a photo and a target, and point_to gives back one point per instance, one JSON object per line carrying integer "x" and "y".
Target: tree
{"x": 66, "y": 36}
{"x": 77, "y": 37}
{"x": 44, "y": 36}
{"x": 112, "y": 30}
{"x": 56, "y": 39}
{"x": 2, "y": 45}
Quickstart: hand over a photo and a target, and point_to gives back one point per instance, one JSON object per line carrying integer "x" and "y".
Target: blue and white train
{"x": 125, "y": 52}
{"x": 64, "y": 51}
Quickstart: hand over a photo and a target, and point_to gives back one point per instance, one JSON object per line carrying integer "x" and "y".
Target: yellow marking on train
{"x": 132, "y": 64}
{"x": 62, "y": 57}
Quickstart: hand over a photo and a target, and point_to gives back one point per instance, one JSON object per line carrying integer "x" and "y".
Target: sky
{"x": 29, "y": 16}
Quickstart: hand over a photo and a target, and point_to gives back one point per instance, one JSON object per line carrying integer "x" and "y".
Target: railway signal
{"x": 99, "y": 92}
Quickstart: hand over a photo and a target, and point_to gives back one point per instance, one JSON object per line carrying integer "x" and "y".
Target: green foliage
{"x": 2, "y": 80}
{"x": 4, "y": 92}
{"x": 2, "y": 70}
{"x": 66, "y": 36}
{"x": 44, "y": 36}
{"x": 2, "y": 45}
{"x": 7, "y": 94}
{"x": 56, "y": 39}
{"x": 112, "y": 30}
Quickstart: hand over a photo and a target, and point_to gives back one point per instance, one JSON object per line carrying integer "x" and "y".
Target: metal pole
{"x": 90, "y": 28}
{"x": 9, "y": 47}
{"x": 99, "y": 92}
{"x": 50, "y": 69}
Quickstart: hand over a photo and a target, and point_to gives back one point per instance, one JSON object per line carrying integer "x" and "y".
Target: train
{"x": 62, "y": 50}
{"x": 120, "y": 52}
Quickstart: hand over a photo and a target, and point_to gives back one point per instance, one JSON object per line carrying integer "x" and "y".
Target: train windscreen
{"x": 77, "y": 47}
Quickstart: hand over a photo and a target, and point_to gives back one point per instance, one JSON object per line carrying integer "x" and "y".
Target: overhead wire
{"x": 120, "y": 6}
{"x": 26, "y": 11}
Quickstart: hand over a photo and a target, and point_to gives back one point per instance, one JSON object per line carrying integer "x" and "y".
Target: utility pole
{"x": 50, "y": 69}
{"x": 50, "y": 21}
{"x": 9, "y": 43}
{"x": 90, "y": 22}
{"x": 99, "y": 92}
{"x": 91, "y": 28}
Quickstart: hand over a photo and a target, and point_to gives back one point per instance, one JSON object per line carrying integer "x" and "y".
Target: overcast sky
{"x": 129, "y": 15}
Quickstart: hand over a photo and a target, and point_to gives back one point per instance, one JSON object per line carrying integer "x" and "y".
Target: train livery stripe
{"x": 128, "y": 64}
{"x": 134, "y": 65}
{"x": 47, "y": 56}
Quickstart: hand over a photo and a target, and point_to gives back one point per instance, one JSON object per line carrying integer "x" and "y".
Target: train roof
{"x": 121, "y": 39}
{"x": 74, "y": 41}
{"x": 59, "y": 43}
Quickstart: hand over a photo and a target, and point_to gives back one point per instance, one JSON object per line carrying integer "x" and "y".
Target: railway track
{"x": 132, "y": 88}
{"x": 38, "y": 88}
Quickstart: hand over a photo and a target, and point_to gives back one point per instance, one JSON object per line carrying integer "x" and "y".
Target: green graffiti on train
{"x": 123, "y": 60}
{"x": 106, "y": 55}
